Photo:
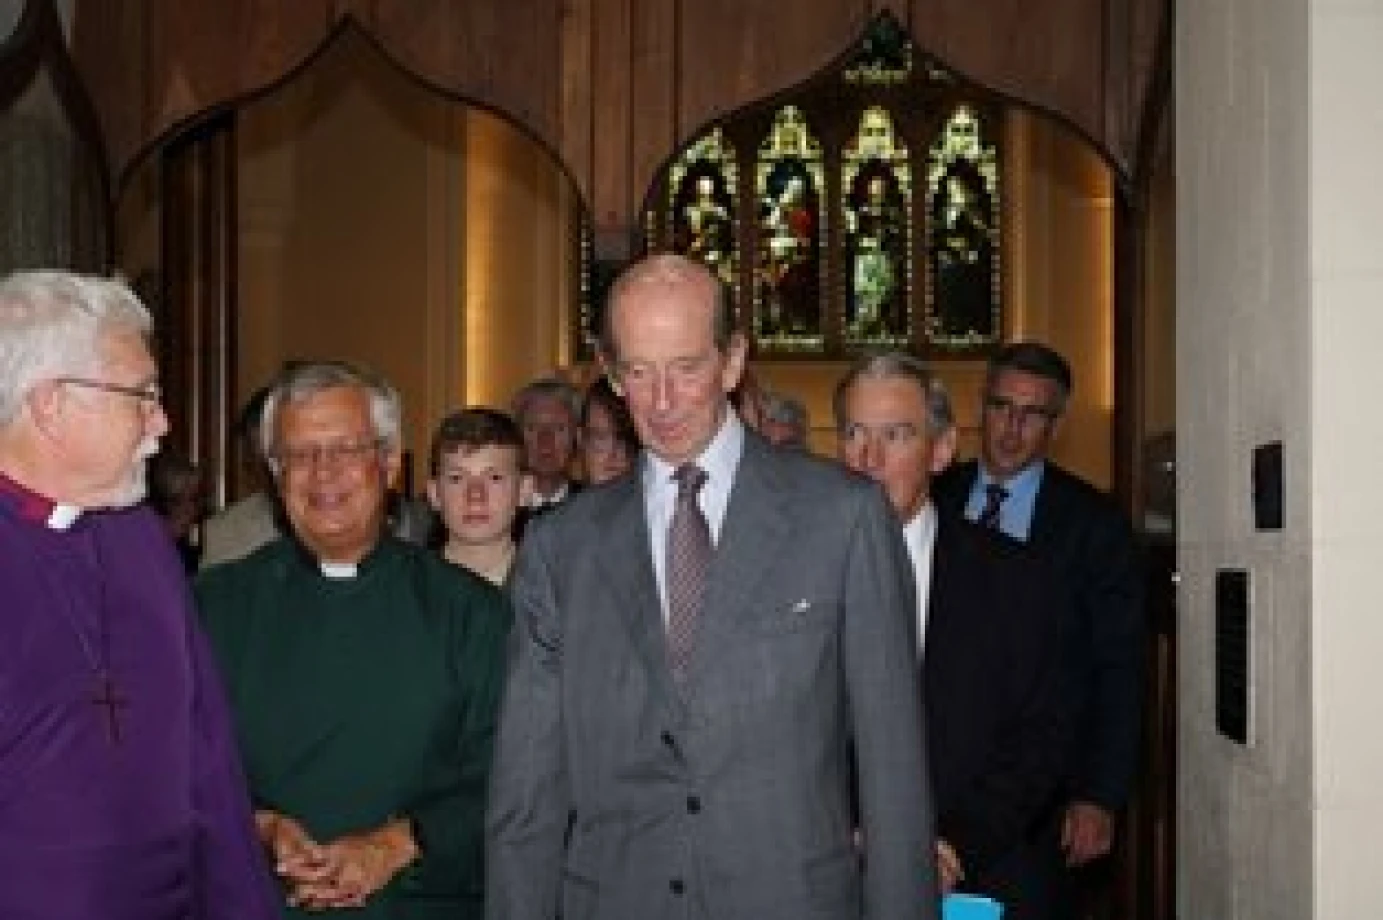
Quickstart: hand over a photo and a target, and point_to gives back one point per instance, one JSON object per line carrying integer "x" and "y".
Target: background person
{"x": 477, "y": 487}
{"x": 1088, "y": 545}
{"x": 609, "y": 442}
{"x": 177, "y": 491}
{"x": 997, "y": 721}
{"x": 546, "y": 411}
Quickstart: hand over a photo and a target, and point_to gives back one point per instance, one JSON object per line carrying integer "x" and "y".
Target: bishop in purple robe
{"x": 121, "y": 795}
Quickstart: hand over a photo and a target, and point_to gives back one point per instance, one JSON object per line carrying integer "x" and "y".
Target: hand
{"x": 1087, "y": 833}
{"x": 362, "y": 864}
{"x": 948, "y": 868}
{"x": 295, "y": 854}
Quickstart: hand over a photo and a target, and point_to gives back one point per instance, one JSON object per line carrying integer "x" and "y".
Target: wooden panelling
{"x": 613, "y": 86}
{"x": 611, "y": 116}
{"x": 655, "y": 68}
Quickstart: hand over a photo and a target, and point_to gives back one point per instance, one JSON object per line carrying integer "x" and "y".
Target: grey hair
{"x": 547, "y": 386}
{"x": 301, "y": 381}
{"x": 51, "y": 324}
{"x": 784, "y": 409}
{"x": 787, "y": 410}
{"x": 898, "y": 365}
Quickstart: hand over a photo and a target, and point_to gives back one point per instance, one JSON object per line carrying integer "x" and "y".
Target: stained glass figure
{"x": 963, "y": 271}
{"x": 877, "y": 192}
{"x": 884, "y": 57}
{"x": 788, "y": 283}
{"x": 701, "y": 206}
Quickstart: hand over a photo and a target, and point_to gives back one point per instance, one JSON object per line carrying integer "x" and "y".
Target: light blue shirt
{"x": 720, "y": 459}
{"x": 1015, "y": 514}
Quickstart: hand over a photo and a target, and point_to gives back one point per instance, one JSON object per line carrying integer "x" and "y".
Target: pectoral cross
{"x": 106, "y": 697}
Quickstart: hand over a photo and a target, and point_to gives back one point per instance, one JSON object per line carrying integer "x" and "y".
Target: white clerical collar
{"x": 339, "y": 570}
{"x": 556, "y": 498}
{"x": 62, "y": 517}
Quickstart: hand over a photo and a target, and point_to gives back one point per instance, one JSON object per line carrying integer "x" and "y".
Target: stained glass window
{"x": 876, "y": 191}
{"x": 963, "y": 270}
{"x": 701, "y": 206}
{"x": 860, "y": 210}
{"x": 788, "y": 185}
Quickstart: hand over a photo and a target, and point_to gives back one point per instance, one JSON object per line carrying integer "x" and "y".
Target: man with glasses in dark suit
{"x": 1079, "y": 531}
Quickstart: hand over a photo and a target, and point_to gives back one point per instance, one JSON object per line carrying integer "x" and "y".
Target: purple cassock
{"x": 121, "y": 796}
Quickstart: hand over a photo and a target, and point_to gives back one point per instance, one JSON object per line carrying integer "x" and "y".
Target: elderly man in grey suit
{"x": 698, "y": 651}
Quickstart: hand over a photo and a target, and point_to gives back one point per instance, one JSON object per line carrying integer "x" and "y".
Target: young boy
{"x": 478, "y": 485}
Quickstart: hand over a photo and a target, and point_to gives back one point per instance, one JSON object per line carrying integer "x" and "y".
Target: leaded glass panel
{"x": 963, "y": 270}
{"x": 789, "y": 182}
{"x": 701, "y": 206}
{"x": 876, "y": 189}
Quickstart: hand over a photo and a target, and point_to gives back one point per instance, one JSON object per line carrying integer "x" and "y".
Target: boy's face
{"x": 478, "y": 491}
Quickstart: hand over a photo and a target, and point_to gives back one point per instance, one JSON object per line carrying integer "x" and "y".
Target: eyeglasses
{"x": 340, "y": 453}
{"x": 891, "y": 433}
{"x": 149, "y": 395}
{"x": 1024, "y": 415}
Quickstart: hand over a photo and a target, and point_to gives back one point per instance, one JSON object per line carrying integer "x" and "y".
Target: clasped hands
{"x": 342, "y": 873}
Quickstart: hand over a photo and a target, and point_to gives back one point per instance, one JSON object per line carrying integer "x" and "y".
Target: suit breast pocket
{"x": 803, "y": 615}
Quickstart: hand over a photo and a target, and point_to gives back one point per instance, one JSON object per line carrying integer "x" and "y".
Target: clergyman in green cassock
{"x": 364, "y": 683}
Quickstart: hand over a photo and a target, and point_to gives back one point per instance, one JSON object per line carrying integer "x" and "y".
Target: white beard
{"x": 137, "y": 486}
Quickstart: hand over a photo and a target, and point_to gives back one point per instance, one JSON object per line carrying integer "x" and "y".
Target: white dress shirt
{"x": 720, "y": 459}
{"x": 920, "y": 536}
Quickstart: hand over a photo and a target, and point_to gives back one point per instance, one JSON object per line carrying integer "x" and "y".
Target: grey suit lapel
{"x": 624, "y": 558}
{"x": 757, "y": 523}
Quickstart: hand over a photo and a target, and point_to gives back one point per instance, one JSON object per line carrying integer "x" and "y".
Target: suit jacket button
{"x": 677, "y": 886}
{"x": 693, "y": 804}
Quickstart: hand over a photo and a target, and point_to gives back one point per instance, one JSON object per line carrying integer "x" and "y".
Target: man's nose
{"x": 662, "y": 392}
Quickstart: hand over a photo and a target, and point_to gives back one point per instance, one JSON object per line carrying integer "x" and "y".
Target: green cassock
{"x": 361, "y": 699}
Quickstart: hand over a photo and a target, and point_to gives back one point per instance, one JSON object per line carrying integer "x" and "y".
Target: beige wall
{"x": 377, "y": 219}
{"x": 1339, "y": 334}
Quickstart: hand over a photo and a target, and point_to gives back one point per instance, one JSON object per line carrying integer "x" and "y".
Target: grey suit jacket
{"x": 616, "y": 795}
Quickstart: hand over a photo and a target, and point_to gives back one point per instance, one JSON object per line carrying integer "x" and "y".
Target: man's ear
{"x": 45, "y": 405}
{"x": 434, "y": 497}
{"x": 607, "y": 367}
{"x": 736, "y": 358}
{"x": 393, "y": 463}
{"x": 943, "y": 450}
{"x": 527, "y": 489}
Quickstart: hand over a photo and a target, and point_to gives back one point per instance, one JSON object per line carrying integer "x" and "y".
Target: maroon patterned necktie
{"x": 688, "y": 562}
{"x": 994, "y": 495}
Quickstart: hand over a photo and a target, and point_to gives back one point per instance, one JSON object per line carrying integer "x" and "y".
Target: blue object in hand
{"x": 970, "y": 907}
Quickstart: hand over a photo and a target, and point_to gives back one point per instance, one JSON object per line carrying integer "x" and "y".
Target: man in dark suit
{"x": 1088, "y": 544}
{"x": 997, "y": 722}
{"x": 654, "y": 765}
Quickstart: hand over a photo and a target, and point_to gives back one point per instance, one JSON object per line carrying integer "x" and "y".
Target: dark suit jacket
{"x": 1089, "y": 545}
{"x": 998, "y": 722}
{"x": 619, "y": 795}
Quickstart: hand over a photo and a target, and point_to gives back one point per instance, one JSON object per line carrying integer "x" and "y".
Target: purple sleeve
{"x": 235, "y": 883}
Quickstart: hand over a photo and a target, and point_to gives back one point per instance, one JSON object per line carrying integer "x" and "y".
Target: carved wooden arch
{"x": 612, "y": 85}
{"x": 345, "y": 29}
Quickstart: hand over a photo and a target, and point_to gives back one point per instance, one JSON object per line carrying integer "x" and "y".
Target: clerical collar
{"x": 339, "y": 569}
{"x": 38, "y": 509}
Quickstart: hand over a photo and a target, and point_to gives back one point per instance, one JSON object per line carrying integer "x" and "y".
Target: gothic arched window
{"x": 870, "y": 215}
